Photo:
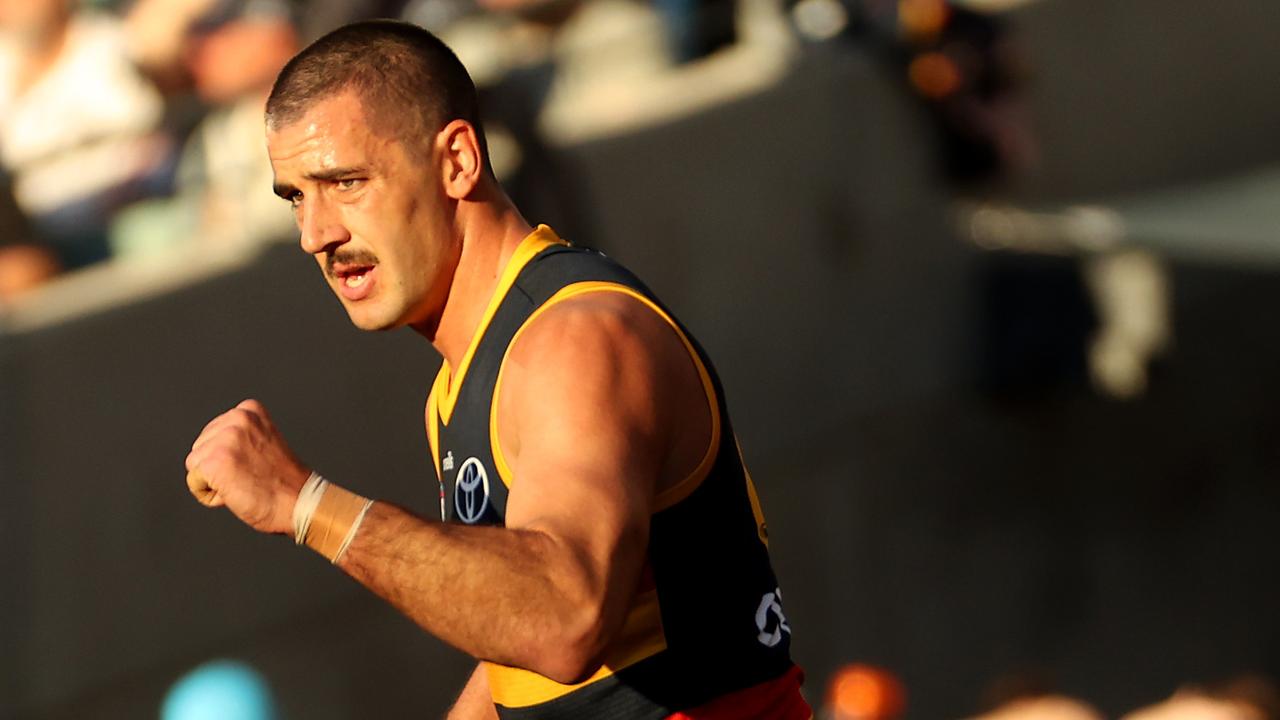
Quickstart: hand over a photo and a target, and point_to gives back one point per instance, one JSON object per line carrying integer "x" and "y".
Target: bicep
{"x": 584, "y": 418}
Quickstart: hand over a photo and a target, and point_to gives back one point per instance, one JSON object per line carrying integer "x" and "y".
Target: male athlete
{"x": 602, "y": 551}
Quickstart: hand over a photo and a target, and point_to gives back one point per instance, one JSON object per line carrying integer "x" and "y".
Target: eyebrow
{"x": 284, "y": 189}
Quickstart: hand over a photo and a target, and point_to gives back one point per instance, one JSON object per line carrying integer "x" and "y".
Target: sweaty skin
{"x": 601, "y": 408}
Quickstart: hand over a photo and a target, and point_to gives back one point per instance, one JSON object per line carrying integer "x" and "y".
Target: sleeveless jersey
{"x": 707, "y": 620}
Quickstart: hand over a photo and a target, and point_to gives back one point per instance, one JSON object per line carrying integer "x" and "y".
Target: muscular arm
{"x": 580, "y": 422}
{"x": 589, "y": 403}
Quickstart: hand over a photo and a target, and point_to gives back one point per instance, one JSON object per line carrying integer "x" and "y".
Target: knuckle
{"x": 247, "y": 418}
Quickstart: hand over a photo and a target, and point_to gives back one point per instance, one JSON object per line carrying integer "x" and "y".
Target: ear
{"x": 462, "y": 163}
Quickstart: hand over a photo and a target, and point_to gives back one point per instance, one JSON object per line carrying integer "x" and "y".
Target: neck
{"x": 488, "y": 237}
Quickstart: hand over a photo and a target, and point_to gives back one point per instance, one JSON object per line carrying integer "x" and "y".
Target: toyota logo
{"x": 471, "y": 495}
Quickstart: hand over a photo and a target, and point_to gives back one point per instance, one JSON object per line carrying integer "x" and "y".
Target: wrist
{"x": 326, "y": 517}
{"x": 304, "y": 506}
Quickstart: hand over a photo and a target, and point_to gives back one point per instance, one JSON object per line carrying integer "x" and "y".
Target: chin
{"x": 364, "y": 319}
{"x": 373, "y": 326}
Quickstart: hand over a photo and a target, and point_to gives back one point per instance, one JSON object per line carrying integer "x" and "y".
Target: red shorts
{"x": 776, "y": 699}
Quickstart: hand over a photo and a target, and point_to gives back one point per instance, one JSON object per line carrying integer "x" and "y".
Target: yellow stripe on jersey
{"x": 449, "y": 383}
{"x": 641, "y": 636}
{"x": 433, "y": 431}
{"x": 671, "y": 495}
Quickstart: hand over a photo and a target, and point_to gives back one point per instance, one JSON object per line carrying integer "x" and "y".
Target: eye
{"x": 294, "y": 198}
{"x": 349, "y": 183}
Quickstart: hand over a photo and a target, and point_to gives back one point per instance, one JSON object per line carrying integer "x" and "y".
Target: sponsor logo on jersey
{"x": 471, "y": 494}
{"x": 770, "y": 620}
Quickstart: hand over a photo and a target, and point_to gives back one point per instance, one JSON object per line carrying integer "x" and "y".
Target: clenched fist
{"x": 241, "y": 461}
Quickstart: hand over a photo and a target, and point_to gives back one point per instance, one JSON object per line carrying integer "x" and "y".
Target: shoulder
{"x": 605, "y": 362}
{"x": 605, "y": 376}
{"x": 600, "y": 325}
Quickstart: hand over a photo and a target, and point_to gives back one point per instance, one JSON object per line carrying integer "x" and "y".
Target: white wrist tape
{"x": 305, "y": 506}
{"x": 351, "y": 534}
{"x": 337, "y": 516}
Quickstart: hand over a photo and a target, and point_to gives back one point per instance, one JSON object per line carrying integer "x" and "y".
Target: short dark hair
{"x": 410, "y": 82}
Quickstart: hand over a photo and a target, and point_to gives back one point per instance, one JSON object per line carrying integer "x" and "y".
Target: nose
{"x": 321, "y": 226}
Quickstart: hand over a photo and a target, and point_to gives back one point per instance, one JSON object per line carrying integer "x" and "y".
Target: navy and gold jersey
{"x": 707, "y": 620}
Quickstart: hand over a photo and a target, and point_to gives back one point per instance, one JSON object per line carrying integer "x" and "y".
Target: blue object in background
{"x": 220, "y": 690}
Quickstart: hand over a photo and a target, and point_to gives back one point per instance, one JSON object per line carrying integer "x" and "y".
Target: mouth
{"x": 354, "y": 280}
{"x": 353, "y": 277}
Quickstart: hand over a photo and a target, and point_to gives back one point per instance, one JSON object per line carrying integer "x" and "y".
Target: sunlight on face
{"x": 373, "y": 214}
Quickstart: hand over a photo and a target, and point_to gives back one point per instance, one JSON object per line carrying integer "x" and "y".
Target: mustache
{"x": 349, "y": 257}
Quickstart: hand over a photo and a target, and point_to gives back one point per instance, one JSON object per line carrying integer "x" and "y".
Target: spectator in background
{"x": 1249, "y": 697}
{"x": 698, "y": 27}
{"x": 321, "y": 16}
{"x": 232, "y": 53}
{"x": 158, "y": 29}
{"x": 156, "y": 34}
{"x": 962, "y": 60}
{"x": 24, "y": 267}
{"x": 25, "y": 263}
{"x": 78, "y": 124}
{"x": 536, "y": 62}
{"x": 1045, "y": 707}
{"x": 1030, "y": 694}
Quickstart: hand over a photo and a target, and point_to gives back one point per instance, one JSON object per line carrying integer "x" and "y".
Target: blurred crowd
{"x": 124, "y": 129}
{"x": 867, "y": 692}
{"x": 131, "y": 126}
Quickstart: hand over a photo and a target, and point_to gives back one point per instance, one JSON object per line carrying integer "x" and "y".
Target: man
{"x": 604, "y": 555}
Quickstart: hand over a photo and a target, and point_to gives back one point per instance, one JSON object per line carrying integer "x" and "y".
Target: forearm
{"x": 474, "y": 702}
{"x": 509, "y": 596}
